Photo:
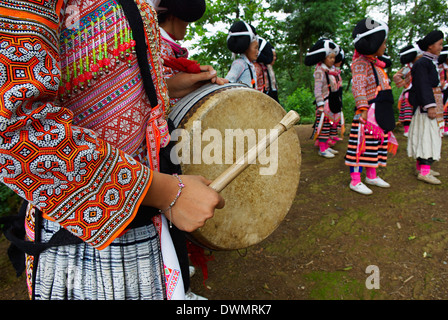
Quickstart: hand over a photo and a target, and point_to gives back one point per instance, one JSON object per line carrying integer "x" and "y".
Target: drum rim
{"x": 183, "y": 106}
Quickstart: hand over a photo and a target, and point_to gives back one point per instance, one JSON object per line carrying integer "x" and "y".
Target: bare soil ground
{"x": 330, "y": 236}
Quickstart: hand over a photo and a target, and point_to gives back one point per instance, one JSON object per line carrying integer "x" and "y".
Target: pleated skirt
{"x": 376, "y": 150}
{"x": 130, "y": 268}
{"x": 406, "y": 109}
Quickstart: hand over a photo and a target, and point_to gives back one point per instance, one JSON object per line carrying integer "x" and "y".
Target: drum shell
{"x": 256, "y": 203}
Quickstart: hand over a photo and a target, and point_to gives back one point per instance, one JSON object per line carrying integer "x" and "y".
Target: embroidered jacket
{"x": 242, "y": 70}
{"x": 425, "y": 79}
{"x": 321, "y": 86}
{"x": 85, "y": 176}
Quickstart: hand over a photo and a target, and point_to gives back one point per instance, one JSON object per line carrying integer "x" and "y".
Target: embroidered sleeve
{"x": 359, "y": 84}
{"x": 89, "y": 187}
{"x": 319, "y": 84}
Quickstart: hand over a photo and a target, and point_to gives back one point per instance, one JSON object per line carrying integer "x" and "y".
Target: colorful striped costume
{"x": 403, "y": 79}
{"x": 81, "y": 146}
{"x": 326, "y": 124}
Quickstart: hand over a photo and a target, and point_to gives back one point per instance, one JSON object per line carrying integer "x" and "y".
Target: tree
{"x": 219, "y": 17}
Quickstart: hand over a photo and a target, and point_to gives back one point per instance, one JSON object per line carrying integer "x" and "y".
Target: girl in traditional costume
{"x": 265, "y": 57}
{"x": 408, "y": 56}
{"x": 425, "y": 142}
{"x": 326, "y": 92}
{"x": 243, "y": 41}
{"x": 443, "y": 72}
{"x": 337, "y": 135}
{"x": 371, "y": 132}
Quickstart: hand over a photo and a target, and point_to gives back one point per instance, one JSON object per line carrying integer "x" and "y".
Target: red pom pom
{"x": 82, "y": 78}
{"x": 182, "y": 64}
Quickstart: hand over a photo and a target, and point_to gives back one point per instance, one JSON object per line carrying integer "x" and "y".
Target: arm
{"x": 76, "y": 179}
{"x": 195, "y": 205}
{"x": 183, "y": 83}
{"x": 318, "y": 88}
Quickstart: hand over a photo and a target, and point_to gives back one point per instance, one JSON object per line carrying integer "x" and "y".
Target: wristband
{"x": 181, "y": 186}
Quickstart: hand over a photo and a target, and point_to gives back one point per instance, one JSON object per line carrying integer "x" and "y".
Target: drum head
{"x": 259, "y": 198}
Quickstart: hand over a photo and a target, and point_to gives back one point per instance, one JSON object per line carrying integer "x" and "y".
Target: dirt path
{"x": 329, "y": 238}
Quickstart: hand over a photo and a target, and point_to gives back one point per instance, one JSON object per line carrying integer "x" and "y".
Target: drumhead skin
{"x": 258, "y": 200}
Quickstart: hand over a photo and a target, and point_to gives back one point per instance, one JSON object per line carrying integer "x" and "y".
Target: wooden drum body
{"x": 258, "y": 200}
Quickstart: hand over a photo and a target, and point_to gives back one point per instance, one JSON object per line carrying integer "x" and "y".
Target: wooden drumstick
{"x": 240, "y": 165}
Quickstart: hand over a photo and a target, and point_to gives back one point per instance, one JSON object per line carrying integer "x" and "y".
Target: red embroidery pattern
{"x": 88, "y": 186}
{"x": 364, "y": 86}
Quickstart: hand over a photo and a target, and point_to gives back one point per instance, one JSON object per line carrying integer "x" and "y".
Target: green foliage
{"x": 303, "y": 22}
{"x": 9, "y": 201}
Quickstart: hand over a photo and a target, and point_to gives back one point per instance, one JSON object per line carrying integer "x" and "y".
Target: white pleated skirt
{"x": 425, "y": 139}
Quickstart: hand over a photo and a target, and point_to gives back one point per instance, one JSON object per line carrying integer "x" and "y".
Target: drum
{"x": 213, "y": 124}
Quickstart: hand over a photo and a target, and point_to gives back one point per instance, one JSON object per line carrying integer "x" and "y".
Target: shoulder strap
{"x": 251, "y": 75}
{"x": 328, "y": 80}
{"x": 375, "y": 74}
{"x": 135, "y": 20}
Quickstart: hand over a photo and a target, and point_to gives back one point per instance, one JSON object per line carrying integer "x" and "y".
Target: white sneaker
{"x": 378, "y": 182}
{"x": 361, "y": 188}
{"x": 432, "y": 172}
{"x": 429, "y": 178}
{"x": 326, "y": 154}
{"x": 406, "y": 134}
{"x": 333, "y": 151}
{"x": 193, "y": 296}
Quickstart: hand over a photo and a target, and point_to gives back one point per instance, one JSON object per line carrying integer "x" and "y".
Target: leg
{"x": 356, "y": 184}
{"x": 425, "y": 173}
{"x": 374, "y": 180}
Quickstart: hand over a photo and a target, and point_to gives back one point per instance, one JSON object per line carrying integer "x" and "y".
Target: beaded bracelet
{"x": 181, "y": 186}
